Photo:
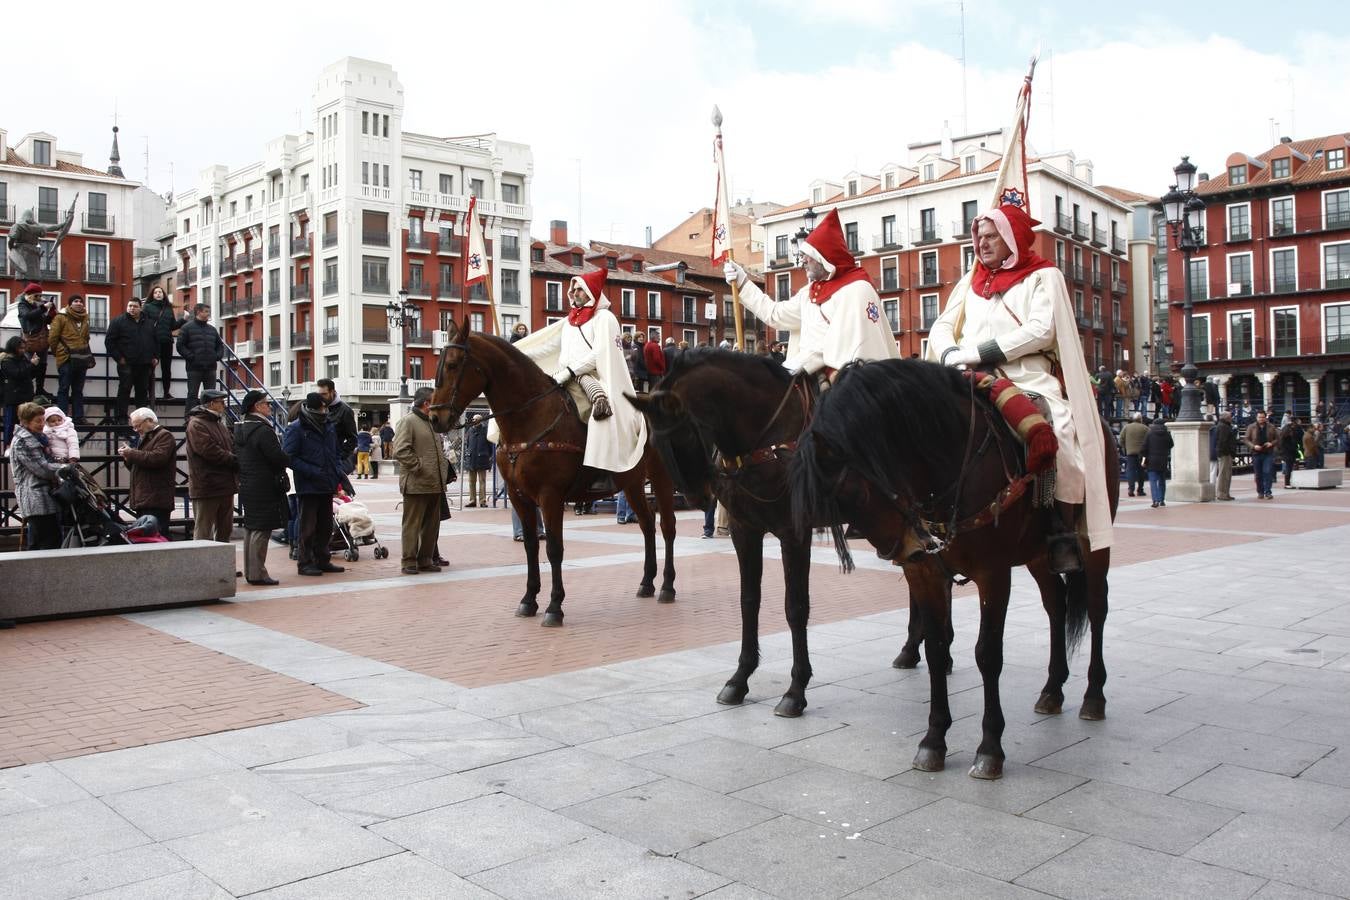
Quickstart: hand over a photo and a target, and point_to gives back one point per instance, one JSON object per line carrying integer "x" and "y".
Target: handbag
{"x": 37, "y": 342}
{"x": 80, "y": 359}
{"x": 445, "y": 507}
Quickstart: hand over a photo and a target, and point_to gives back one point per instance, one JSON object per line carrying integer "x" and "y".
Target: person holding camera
{"x": 35, "y": 316}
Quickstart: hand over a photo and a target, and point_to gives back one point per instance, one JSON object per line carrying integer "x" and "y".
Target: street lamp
{"x": 400, "y": 315}
{"x": 1185, "y": 214}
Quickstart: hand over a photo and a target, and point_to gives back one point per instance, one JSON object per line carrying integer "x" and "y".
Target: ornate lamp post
{"x": 401, "y": 314}
{"x": 1185, "y": 214}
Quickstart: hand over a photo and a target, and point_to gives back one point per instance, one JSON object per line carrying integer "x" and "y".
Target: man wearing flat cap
{"x": 213, "y": 469}
{"x": 478, "y": 453}
{"x": 262, "y": 483}
{"x": 311, "y": 442}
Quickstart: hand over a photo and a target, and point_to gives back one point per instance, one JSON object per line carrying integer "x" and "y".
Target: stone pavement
{"x": 603, "y": 767}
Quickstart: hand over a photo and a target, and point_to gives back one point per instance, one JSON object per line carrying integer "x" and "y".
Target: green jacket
{"x": 1132, "y": 438}
{"x": 422, "y": 466}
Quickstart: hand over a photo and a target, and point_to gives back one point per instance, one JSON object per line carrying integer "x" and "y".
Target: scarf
{"x": 1015, "y": 227}
{"x": 580, "y": 315}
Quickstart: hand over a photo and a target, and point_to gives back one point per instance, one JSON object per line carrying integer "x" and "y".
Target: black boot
{"x": 1065, "y": 555}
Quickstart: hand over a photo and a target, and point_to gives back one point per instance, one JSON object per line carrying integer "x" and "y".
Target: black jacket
{"x": 33, "y": 317}
{"x": 132, "y": 340}
{"x": 262, "y": 474}
{"x": 1225, "y": 441}
{"x": 1157, "y": 447}
{"x": 200, "y": 346}
{"x": 344, "y": 421}
{"x": 477, "y": 449}
{"x": 16, "y": 379}
{"x": 161, "y": 316}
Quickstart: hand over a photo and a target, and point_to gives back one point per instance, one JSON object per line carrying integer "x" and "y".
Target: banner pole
{"x": 731, "y": 256}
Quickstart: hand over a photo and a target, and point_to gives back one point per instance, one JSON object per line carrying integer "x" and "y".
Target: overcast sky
{"x": 620, "y": 93}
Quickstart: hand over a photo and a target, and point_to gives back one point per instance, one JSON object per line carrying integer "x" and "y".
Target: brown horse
{"x": 543, "y": 444}
{"x": 925, "y": 467}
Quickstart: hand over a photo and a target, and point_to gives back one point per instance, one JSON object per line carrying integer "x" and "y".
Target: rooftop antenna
{"x": 1051, "y": 92}
{"x": 146, "y": 138}
{"x": 965, "y": 105}
{"x": 1293, "y": 130}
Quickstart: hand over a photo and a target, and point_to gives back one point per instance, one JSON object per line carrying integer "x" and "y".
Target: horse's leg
{"x": 994, "y": 588}
{"x": 932, "y": 591}
{"x": 797, "y": 580}
{"x": 665, "y": 504}
{"x": 1094, "y": 700}
{"x": 637, "y": 500}
{"x": 553, "y": 528}
{"x": 750, "y": 559}
{"x": 1053, "y": 591}
{"x": 909, "y": 654}
{"x": 528, "y": 514}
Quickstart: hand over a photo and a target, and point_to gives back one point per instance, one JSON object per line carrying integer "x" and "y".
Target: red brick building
{"x": 1271, "y": 284}
{"x": 661, "y": 304}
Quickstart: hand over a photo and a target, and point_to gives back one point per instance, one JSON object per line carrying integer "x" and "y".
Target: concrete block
{"x": 1317, "y": 479}
{"x": 89, "y": 579}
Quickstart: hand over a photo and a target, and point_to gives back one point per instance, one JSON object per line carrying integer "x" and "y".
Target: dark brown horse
{"x": 543, "y": 444}
{"x": 726, "y": 425}
{"x": 911, "y": 454}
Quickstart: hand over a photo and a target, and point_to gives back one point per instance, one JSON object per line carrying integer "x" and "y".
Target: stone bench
{"x": 1316, "y": 479}
{"x": 91, "y": 579}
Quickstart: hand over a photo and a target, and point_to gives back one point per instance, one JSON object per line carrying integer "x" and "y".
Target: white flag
{"x": 476, "y": 261}
{"x": 721, "y": 224}
{"x": 1011, "y": 187}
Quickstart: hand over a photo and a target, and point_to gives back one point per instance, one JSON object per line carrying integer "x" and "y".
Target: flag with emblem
{"x": 1011, "y": 187}
{"x": 721, "y": 224}
{"x": 475, "y": 260}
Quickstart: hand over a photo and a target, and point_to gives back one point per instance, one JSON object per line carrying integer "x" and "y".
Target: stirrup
{"x": 600, "y": 408}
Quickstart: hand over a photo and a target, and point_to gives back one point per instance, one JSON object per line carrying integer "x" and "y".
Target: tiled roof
{"x": 1125, "y": 195}
{"x": 14, "y": 159}
{"x": 1310, "y": 172}
{"x": 877, "y": 189}
{"x": 551, "y": 266}
{"x": 699, "y": 266}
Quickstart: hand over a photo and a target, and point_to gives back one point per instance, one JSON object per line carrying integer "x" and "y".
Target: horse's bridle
{"x": 487, "y": 383}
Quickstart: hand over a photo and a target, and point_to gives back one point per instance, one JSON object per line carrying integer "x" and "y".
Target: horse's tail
{"x": 1076, "y": 609}
{"x": 812, "y": 501}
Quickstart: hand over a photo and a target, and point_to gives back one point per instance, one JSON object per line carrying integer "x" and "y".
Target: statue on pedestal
{"x": 25, "y": 242}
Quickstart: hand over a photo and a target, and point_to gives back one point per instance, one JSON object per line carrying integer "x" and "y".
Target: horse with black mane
{"x": 541, "y": 452}
{"x": 726, "y": 425}
{"x": 920, "y": 460}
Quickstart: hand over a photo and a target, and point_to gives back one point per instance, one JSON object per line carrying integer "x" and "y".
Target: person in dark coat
{"x": 130, "y": 343}
{"x": 311, "y": 443}
{"x": 344, "y": 421}
{"x": 638, "y": 366}
{"x": 656, "y": 363}
{"x": 213, "y": 469}
{"x": 16, "y": 382}
{"x": 202, "y": 350}
{"x": 154, "y": 469}
{"x": 386, "y": 441}
{"x": 1291, "y": 443}
{"x": 1157, "y": 457}
{"x": 1225, "y": 448}
{"x": 159, "y": 309}
{"x": 35, "y": 317}
{"x": 478, "y": 453}
{"x": 262, "y": 483}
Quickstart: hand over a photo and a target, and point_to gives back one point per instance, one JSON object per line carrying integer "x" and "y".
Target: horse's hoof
{"x": 908, "y": 659}
{"x": 986, "y": 767}
{"x": 646, "y": 590}
{"x": 1049, "y": 704}
{"x": 732, "y": 694}
{"x": 930, "y": 760}
{"x": 527, "y": 610}
{"x": 551, "y": 620}
{"x": 667, "y": 595}
{"x": 790, "y": 707}
{"x": 1093, "y": 709}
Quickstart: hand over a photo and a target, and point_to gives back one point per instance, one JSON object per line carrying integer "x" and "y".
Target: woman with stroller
{"x": 64, "y": 441}
{"x": 262, "y": 483}
{"x": 35, "y": 474}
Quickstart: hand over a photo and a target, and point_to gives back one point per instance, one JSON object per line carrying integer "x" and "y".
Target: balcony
{"x": 448, "y": 291}
{"x": 375, "y": 335}
{"x": 450, "y": 245}
{"x": 375, "y": 238}
{"x": 512, "y": 297}
{"x": 418, "y": 244}
{"x": 248, "y": 349}
{"x": 273, "y": 249}
{"x": 1097, "y": 280}
{"x": 925, "y": 324}
{"x": 1118, "y": 246}
{"x": 511, "y": 251}
{"x": 206, "y": 269}
{"x": 929, "y": 278}
{"x": 243, "y": 263}
{"x": 1099, "y": 237}
{"x": 301, "y": 340}
{"x": 1118, "y": 286}
{"x": 1118, "y": 329}
{"x": 890, "y": 281}
{"x": 48, "y": 215}
{"x": 273, "y": 295}
{"x": 1098, "y": 323}
{"x": 780, "y": 262}
{"x": 100, "y": 274}
{"x": 330, "y": 335}
{"x": 1239, "y": 289}
{"x": 330, "y": 240}
{"x": 301, "y": 292}
{"x": 918, "y": 237}
{"x": 49, "y": 270}
{"x": 1236, "y": 235}
{"x": 1284, "y": 285}
{"x": 375, "y": 285}
{"x": 188, "y": 277}
{"x": 1063, "y": 224}
{"x": 417, "y": 287}
{"x": 884, "y": 241}
{"x": 227, "y": 266}
{"x": 1076, "y": 273}
{"x": 961, "y": 230}
{"x": 1282, "y": 227}
{"x": 330, "y": 287}
{"x": 255, "y": 257}
{"x": 274, "y": 343}
{"x": 1080, "y": 229}
{"x": 1083, "y": 320}
{"x": 7, "y": 214}
{"x": 853, "y": 246}
{"x": 97, "y": 223}
{"x": 418, "y": 338}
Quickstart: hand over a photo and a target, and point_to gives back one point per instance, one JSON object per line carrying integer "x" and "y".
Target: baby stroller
{"x": 353, "y": 528}
{"x": 87, "y": 519}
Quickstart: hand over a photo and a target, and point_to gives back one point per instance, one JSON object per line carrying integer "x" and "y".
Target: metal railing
{"x": 330, "y": 240}
{"x": 452, "y": 245}
{"x": 1099, "y": 237}
{"x": 1063, "y": 223}
{"x": 98, "y": 223}
{"x": 418, "y": 287}
{"x": 419, "y": 243}
{"x": 330, "y": 335}
{"x": 375, "y": 335}
{"x": 300, "y": 291}
{"x": 890, "y": 280}
{"x": 1097, "y": 280}
{"x": 885, "y": 241}
{"x": 1117, "y": 286}
{"x": 929, "y": 278}
{"x": 206, "y": 269}
{"x": 243, "y": 263}
{"x": 273, "y": 295}
{"x": 330, "y": 288}
{"x": 301, "y": 340}
{"x": 52, "y": 271}
{"x": 1118, "y": 245}
{"x": 227, "y": 265}
{"x": 419, "y": 337}
{"x": 509, "y": 251}
{"x": 926, "y": 235}
{"x": 961, "y": 230}
{"x": 780, "y": 262}
{"x": 375, "y": 238}
{"x": 512, "y": 296}
{"x": 375, "y": 285}
{"x": 1239, "y": 234}
{"x": 48, "y": 215}
{"x": 273, "y": 249}
{"x": 188, "y": 277}
{"x": 1282, "y": 227}
{"x": 7, "y": 214}
{"x": 255, "y": 256}
{"x": 448, "y": 291}
{"x": 100, "y": 274}
{"x": 1098, "y": 323}
{"x": 1080, "y": 229}
{"x": 273, "y": 342}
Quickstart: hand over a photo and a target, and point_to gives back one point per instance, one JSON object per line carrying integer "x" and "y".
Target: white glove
{"x": 735, "y": 274}
{"x": 562, "y": 376}
{"x": 961, "y": 356}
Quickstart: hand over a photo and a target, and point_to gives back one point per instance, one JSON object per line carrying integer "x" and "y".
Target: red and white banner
{"x": 721, "y": 224}
{"x": 1011, "y": 187}
{"x": 476, "y": 266}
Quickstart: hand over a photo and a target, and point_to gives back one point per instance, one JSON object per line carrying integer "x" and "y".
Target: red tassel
{"x": 1041, "y": 448}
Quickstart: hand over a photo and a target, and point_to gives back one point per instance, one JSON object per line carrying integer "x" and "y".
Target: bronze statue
{"x": 25, "y": 242}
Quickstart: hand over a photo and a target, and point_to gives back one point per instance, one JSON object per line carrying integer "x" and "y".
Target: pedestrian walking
{"x": 365, "y": 440}
{"x": 1225, "y": 448}
{"x": 1157, "y": 457}
{"x": 263, "y": 484}
{"x": 1132, "y": 438}
{"x": 1262, "y": 437}
{"x": 213, "y": 469}
{"x": 423, "y": 472}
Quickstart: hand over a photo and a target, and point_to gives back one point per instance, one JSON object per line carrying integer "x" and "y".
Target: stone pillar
{"x": 1222, "y": 381}
{"x": 1314, "y": 380}
{"x": 398, "y": 408}
{"x": 1267, "y": 389}
{"x": 1190, "y": 462}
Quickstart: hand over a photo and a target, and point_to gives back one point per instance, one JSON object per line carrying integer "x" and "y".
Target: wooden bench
{"x": 92, "y": 579}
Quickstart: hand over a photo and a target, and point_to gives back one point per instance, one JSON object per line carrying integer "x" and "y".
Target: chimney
{"x": 1203, "y": 176}
{"x": 649, "y": 235}
{"x": 1286, "y": 140}
{"x": 557, "y": 232}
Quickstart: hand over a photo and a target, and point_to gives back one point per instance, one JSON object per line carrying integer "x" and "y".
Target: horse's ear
{"x": 464, "y": 327}
{"x": 641, "y": 402}
{"x": 658, "y": 404}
